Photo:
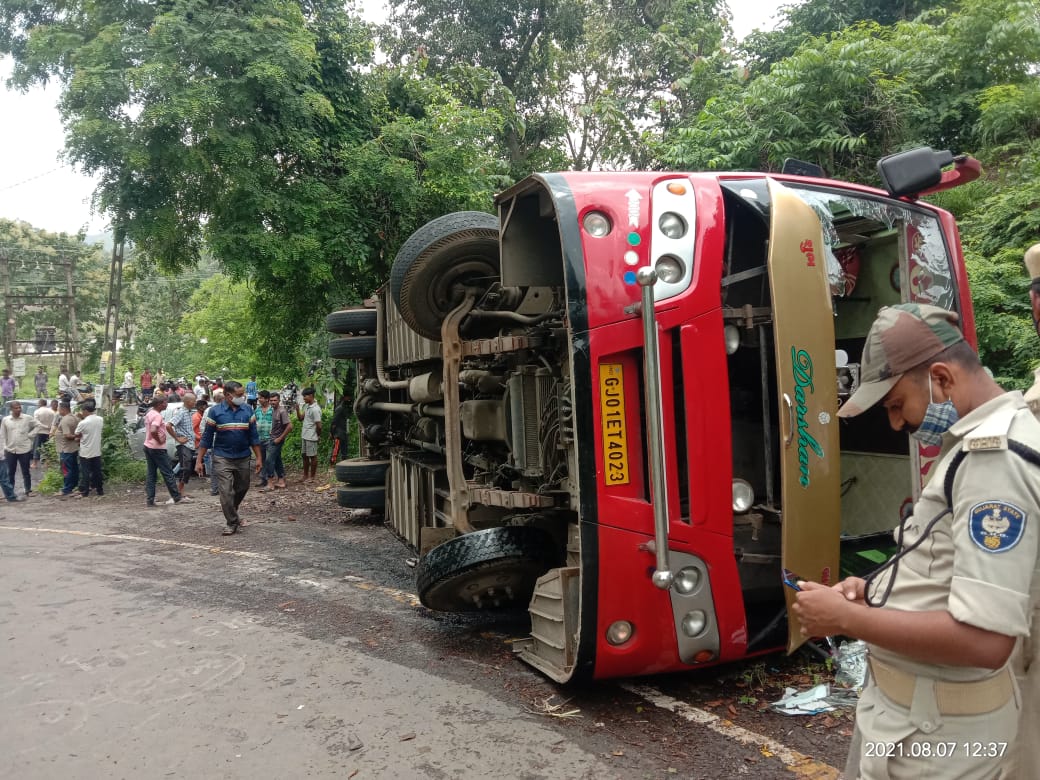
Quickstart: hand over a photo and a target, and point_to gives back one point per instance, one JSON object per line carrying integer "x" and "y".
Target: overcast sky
{"x": 36, "y": 186}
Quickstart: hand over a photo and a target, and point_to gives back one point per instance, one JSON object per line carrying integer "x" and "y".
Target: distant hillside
{"x": 100, "y": 238}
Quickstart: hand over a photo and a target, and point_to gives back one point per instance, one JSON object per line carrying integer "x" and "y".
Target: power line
{"x": 32, "y": 178}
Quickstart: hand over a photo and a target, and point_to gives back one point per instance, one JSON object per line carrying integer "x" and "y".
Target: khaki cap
{"x": 902, "y": 337}
{"x": 1032, "y": 260}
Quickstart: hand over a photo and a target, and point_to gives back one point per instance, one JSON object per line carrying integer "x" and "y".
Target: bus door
{"x": 803, "y": 325}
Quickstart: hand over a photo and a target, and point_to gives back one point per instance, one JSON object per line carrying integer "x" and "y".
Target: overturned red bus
{"x": 614, "y": 402}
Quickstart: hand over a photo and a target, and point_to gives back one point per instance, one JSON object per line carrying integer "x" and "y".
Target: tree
{"x": 801, "y": 22}
{"x": 212, "y": 124}
{"x": 514, "y": 40}
{"x": 36, "y": 261}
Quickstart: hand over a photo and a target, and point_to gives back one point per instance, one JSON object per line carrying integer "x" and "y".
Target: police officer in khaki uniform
{"x": 1024, "y": 761}
{"x": 942, "y": 617}
{"x": 1032, "y": 260}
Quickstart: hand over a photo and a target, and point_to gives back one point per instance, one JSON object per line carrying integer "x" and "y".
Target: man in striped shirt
{"x": 232, "y": 422}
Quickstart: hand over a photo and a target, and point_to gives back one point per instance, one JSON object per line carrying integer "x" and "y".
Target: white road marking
{"x": 798, "y": 763}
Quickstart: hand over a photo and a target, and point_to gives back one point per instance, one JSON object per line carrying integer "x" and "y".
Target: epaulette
{"x": 992, "y": 434}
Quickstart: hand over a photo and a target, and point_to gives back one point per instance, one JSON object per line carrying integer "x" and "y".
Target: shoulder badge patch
{"x": 996, "y": 526}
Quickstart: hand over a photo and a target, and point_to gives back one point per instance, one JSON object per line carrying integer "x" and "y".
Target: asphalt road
{"x": 143, "y": 644}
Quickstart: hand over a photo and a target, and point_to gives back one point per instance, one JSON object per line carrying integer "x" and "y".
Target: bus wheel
{"x": 352, "y": 322}
{"x": 436, "y": 264}
{"x": 362, "y": 471}
{"x": 361, "y": 497}
{"x": 491, "y": 569}
{"x": 353, "y": 347}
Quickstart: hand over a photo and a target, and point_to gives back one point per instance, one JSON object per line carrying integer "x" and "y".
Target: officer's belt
{"x": 952, "y": 698}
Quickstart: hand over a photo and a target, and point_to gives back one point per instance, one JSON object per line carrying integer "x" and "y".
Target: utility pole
{"x": 5, "y": 279}
{"x": 73, "y": 330}
{"x": 115, "y": 288}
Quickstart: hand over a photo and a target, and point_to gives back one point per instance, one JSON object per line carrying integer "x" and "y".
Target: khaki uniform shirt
{"x": 1024, "y": 760}
{"x": 977, "y": 564}
{"x": 66, "y": 427}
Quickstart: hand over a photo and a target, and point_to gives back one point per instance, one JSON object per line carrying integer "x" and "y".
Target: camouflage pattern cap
{"x": 1032, "y": 260}
{"x": 902, "y": 337}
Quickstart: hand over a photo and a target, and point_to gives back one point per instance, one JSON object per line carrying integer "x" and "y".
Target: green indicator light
{"x": 633, "y": 239}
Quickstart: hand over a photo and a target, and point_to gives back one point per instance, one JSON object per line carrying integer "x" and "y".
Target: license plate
{"x": 614, "y": 427}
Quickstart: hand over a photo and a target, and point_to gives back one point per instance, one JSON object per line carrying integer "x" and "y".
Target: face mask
{"x": 239, "y": 400}
{"x": 938, "y": 419}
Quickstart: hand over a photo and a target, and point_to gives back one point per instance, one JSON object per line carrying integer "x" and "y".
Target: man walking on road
{"x": 155, "y": 454}
{"x": 310, "y": 413}
{"x": 67, "y": 444}
{"x": 232, "y": 423}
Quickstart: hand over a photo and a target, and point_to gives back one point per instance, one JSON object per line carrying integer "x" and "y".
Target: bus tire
{"x": 352, "y": 322}
{"x": 437, "y": 261}
{"x": 362, "y": 471}
{"x": 361, "y": 497}
{"x": 353, "y": 347}
{"x": 491, "y": 569}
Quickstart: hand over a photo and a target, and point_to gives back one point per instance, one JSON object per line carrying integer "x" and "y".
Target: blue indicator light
{"x": 630, "y": 277}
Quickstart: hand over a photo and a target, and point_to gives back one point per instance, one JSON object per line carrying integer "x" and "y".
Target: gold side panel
{"x": 810, "y": 466}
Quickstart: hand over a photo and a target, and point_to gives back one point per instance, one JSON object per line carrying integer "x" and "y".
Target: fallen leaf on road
{"x": 291, "y": 519}
{"x": 715, "y": 703}
{"x": 322, "y": 487}
{"x": 617, "y": 752}
{"x": 408, "y": 736}
{"x": 732, "y": 710}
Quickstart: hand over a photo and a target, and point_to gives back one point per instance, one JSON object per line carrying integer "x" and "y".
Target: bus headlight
{"x": 619, "y": 632}
{"x": 687, "y": 580}
{"x": 732, "y": 335}
{"x": 672, "y": 225}
{"x": 669, "y": 269}
{"x": 596, "y": 224}
{"x": 694, "y": 623}
{"x": 743, "y": 496}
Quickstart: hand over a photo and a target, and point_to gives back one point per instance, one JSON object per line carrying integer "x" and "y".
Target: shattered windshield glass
{"x": 924, "y": 263}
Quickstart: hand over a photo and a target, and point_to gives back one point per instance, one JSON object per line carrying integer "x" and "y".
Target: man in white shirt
{"x": 89, "y": 433}
{"x": 19, "y": 430}
{"x": 74, "y": 386}
{"x": 44, "y": 417}
{"x": 5, "y": 477}
{"x": 63, "y": 382}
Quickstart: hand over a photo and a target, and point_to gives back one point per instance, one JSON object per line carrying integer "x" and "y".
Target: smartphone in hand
{"x": 791, "y": 579}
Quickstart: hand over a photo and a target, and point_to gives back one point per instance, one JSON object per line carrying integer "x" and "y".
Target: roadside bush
{"x": 116, "y": 462}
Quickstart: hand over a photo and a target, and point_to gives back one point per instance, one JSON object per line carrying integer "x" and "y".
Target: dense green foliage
{"x": 269, "y": 136}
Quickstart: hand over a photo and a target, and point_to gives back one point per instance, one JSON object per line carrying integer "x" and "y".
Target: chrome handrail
{"x": 646, "y": 277}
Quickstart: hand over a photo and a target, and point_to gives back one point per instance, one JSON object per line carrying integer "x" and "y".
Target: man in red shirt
{"x": 147, "y": 388}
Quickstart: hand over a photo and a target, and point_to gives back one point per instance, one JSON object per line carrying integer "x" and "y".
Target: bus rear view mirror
{"x": 907, "y": 173}
{"x": 920, "y": 171}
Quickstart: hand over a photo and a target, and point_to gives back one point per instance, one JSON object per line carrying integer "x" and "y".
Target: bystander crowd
{"x": 281, "y": 427}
